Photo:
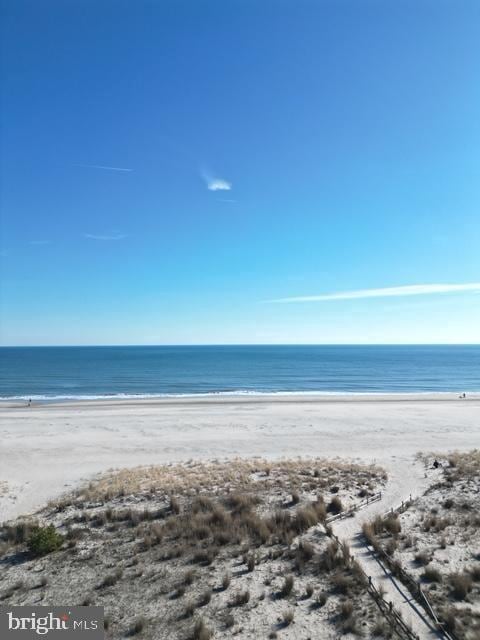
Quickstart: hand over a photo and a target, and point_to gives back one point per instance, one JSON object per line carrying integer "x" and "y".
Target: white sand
{"x": 46, "y": 449}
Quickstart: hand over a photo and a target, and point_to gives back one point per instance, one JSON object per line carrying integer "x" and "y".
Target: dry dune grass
{"x": 462, "y": 466}
{"x": 232, "y": 475}
{"x": 217, "y": 549}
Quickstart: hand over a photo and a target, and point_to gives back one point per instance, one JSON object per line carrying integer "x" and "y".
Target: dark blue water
{"x": 82, "y": 372}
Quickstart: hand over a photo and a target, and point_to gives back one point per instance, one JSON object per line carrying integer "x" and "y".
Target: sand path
{"x": 405, "y": 480}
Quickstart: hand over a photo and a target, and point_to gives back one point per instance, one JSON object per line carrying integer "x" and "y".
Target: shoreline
{"x": 240, "y": 398}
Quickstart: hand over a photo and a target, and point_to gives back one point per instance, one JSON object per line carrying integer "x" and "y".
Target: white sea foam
{"x": 239, "y": 392}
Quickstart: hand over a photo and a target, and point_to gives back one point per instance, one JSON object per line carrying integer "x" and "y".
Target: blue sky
{"x": 190, "y": 172}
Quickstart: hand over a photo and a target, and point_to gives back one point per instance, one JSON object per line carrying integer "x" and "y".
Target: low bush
{"x": 432, "y": 575}
{"x": 201, "y": 631}
{"x": 423, "y": 558}
{"x": 287, "y": 618}
{"x": 347, "y": 617}
{"x": 305, "y": 551}
{"x": 461, "y": 585}
{"x": 345, "y": 609}
{"x": 391, "y": 547}
{"x": 137, "y": 627}
{"x": 321, "y": 599}
{"x": 449, "y": 619}
{"x": 189, "y": 577}
{"x": 229, "y": 621}
{"x": 475, "y": 572}
{"x": 331, "y": 557}
{"x": 111, "y": 579}
{"x": 240, "y": 598}
{"x": 204, "y": 598}
{"x": 44, "y": 540}
{"x": 287, "y": 587}
{"x": 226, "y": 581}
{"x": 392, "y": 524}
{"x": 18, "y": 533}
{"x": 205, "y": 556}
{"x": 335, "y": 506}
{"x": 381, "y": 628}
{"x": 342, "y": 583}
{"x": 189, "y": 610}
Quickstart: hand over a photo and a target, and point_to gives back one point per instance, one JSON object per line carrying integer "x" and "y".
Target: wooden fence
{"x": 394, "y": 619}
{"x": 414, "y": 587}
{"x": 348, "y": 513}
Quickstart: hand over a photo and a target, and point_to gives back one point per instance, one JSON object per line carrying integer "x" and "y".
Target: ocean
{"x": 61, "y": 373}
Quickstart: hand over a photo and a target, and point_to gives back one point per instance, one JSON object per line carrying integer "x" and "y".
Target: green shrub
{"x": 44, "y": 540}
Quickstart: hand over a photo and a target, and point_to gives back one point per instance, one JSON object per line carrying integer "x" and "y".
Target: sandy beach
{"x": 47, "y": 449}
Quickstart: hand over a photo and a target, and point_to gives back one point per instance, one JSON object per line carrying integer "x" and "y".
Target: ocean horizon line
{"x": 243, "y": 344}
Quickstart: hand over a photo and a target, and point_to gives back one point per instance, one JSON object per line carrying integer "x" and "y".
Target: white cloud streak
{"x": 215, "y": 184}
{"x": 105, "y": 168}
{"x": 219, "y": 184}
{"x": 113, "y": 236}
{"x": 387, "y": 292}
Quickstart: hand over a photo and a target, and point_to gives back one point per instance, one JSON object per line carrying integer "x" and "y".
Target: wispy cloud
{"x": 219, "y": 184}
{"x": 105, "y": 168}
{"x": 215, "y": 183}
{"x": 107, "y": 237}
{"x": 387, "y": 292}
